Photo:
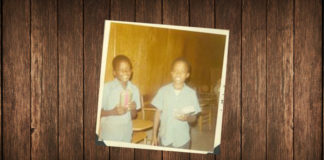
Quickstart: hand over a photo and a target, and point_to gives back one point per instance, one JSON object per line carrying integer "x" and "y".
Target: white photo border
{"x": 218, "y": 128}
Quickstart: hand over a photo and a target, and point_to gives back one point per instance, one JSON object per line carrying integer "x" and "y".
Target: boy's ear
{"x": 188, "y": 74}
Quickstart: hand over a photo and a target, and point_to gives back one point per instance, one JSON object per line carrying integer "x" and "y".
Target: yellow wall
{"x": 152, "y": 51}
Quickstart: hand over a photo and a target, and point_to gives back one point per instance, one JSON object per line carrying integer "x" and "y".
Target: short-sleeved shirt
{"x": 117, "y": 127}
{"x": 174, "y": 131}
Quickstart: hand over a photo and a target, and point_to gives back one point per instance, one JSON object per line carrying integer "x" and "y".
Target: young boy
{"x": 116, "y": 119}
{"x": 174, "y": 130}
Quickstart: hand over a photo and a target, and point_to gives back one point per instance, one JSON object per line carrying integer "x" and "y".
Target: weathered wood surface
{"x": 254, "y": 117}
{"x": 308, "y": 78}
{"x": 280, "y": 79}
{"x": 95, "y": 12}
{"x": 16, "y": 73}
{"x": 44, "y": 80}
{"x": 70, "y": 85}
{"x": 50, "y": 62}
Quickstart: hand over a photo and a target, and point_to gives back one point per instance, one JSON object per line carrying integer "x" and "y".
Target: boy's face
{"x": 123, "y": 71}
{"x": 179, "y": 72}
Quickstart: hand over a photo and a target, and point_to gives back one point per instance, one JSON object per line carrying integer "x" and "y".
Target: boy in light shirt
{"x": 177, "y": 105}
{"x": 116, "y": 118}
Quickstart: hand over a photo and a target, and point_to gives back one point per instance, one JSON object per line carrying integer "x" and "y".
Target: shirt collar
{"x": 185, "y": 86}
{"x": 117, "y": 83}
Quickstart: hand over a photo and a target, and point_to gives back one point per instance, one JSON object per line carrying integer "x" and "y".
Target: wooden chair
{"x": 205, "y": 117}
{"x": 208, "y": 99}
{"x": 141, "y": 124}
{"x": 139, "y": 136}
{"x": 207, "y": 105}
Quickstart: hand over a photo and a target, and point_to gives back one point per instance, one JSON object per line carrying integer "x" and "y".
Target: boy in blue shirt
{"x": 116, "y": 120}
{"x": 174, "y": 130}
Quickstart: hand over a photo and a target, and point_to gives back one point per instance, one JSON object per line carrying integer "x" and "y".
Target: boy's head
{"x": 180, "y": 70}
{"x": 122, "y": 68}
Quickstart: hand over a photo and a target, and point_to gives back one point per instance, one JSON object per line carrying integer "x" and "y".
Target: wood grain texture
{"x": 202, "y": 156}
{"x": 148, "y": 11}
{"x": 176, "y": 13}
{"x": 123, "y": 10}
{"x": 307, "y": 80}
{"x": 50, "y": 62}
{"x": 121, "y": 153}
{"x": 70, "y": 49}
{"x": 44, "y": 76}
{"x": 1, "y": 151}
{"x": 228, "y": 16}
{"x": 16, "y": 79}
{"x": 280, "y": 79}
{"x": 147, "y": 154}
{"x": 202, "y": 15}
{"x": 95, "y": 13}
{"x": 254, "y": 79}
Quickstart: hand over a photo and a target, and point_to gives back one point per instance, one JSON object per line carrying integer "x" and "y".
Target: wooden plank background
{"x": 51, "y": 55}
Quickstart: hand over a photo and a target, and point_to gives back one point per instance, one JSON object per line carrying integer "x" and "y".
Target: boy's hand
{"x": 101, "y": 113}
{"x": 131, "y": 106}
{"x": 182, "y": 117}
{"x": 155, "y": 141}
{"x": 104, "y": 113}
{"x": 187, "y": 117}
{"x": 120, "y": 110}
{"x": 191, "y": 118}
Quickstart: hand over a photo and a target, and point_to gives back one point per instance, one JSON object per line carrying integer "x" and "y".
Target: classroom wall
{"x": 152, "y": 51}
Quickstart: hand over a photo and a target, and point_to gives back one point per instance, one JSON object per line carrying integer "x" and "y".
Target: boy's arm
{"x": 116, "y": 111}
{"x": 156, "y": 124}
{"x": 192, "y": 118}
{"x": 132, "y": 108}
{"x": 158, "y": 102}
{"x": 105, "y": 113}
{"x": 134, "y": 113}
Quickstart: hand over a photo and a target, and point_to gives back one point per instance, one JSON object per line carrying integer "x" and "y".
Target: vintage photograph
{"x": 162, "y": 87}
